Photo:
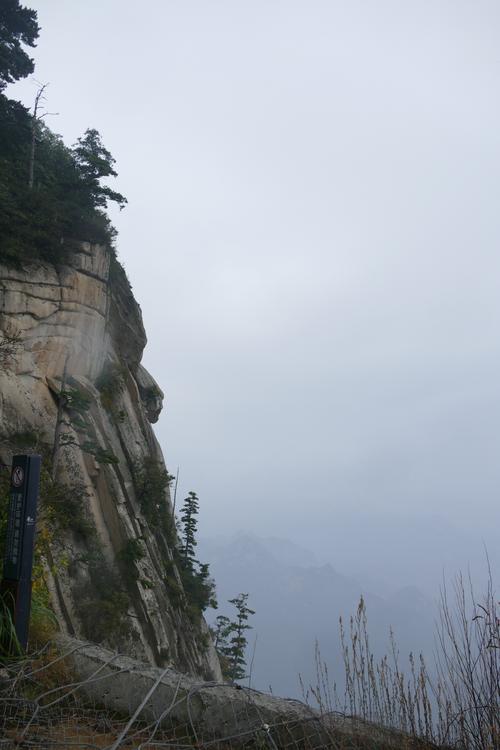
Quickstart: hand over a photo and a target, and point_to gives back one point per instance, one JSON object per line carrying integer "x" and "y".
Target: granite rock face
{"x": 80, "y": 329}
{"x": 219, "y": 715}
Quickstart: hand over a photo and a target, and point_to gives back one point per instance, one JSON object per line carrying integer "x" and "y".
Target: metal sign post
{"x": 20, "y": 542}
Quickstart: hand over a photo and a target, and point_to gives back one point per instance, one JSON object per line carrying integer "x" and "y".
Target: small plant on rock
{"x": 230, "y": 640}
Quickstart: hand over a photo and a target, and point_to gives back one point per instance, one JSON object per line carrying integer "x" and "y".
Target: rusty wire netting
{"x": 44, "y": 706}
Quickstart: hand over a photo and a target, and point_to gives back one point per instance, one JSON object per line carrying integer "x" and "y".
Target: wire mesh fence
{"x": 81, "y": 696}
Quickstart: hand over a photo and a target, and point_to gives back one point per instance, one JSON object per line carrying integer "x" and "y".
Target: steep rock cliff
{"x": 73, "y": 387}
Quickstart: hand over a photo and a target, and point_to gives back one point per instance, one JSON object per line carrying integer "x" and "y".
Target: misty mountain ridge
{"x": 298, "y": 602}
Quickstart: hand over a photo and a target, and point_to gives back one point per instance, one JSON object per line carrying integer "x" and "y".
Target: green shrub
{"x": 151, "y": 481}
{"x": 199, "y": 587}
{"x": 100, "y": 602}
{"x": 66, "y": 506}
{"x": 131, "y": 552}
{"x": 101, "y": 455}
{"x": 75, "y": 397}
{"x": 110, "y": 384}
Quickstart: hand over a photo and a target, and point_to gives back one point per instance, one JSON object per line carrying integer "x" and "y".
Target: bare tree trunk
{"x": 32, "y": 153}
{"x": 34, "y": 124}
{"x": 34, "y": 127}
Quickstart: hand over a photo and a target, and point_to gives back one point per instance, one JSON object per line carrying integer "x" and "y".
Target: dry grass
{"x": 458, "y": 706}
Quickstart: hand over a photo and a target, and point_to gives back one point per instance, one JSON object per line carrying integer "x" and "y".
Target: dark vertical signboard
{"x": 20, "y": 541}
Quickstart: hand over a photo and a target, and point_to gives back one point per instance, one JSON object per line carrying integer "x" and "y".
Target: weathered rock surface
{"x": 82, "y": 318}
{"x": 214, "y": 713}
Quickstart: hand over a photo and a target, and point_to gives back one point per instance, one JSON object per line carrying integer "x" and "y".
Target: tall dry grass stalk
{"x": 458, "y": 706}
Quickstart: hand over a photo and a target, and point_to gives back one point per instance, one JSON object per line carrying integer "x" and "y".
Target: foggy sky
{"x": 313, "y": 236}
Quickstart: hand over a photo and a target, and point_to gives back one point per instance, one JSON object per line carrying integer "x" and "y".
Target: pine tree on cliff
{"x": 234, "y": 650}
{"x": 197, "y": 583}
{"x": 189, "y": 527}
{"x": 18, "y": 26}
{"x": 49, "y": 204}
{"x": 95, "y": 162}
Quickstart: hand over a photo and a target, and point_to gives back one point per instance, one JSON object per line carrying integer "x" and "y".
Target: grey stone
{"x": 85, "y": 313}
{"x": 217, "y": 711}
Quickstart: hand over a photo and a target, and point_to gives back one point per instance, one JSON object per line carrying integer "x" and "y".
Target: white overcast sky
{"x": 313, "y": 236}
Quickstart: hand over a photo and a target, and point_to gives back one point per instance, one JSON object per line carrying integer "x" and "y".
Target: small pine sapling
{"x": 230, "y": 639}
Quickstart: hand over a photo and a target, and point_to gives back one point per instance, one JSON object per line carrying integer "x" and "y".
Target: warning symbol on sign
{"x": 17, "y": 476}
